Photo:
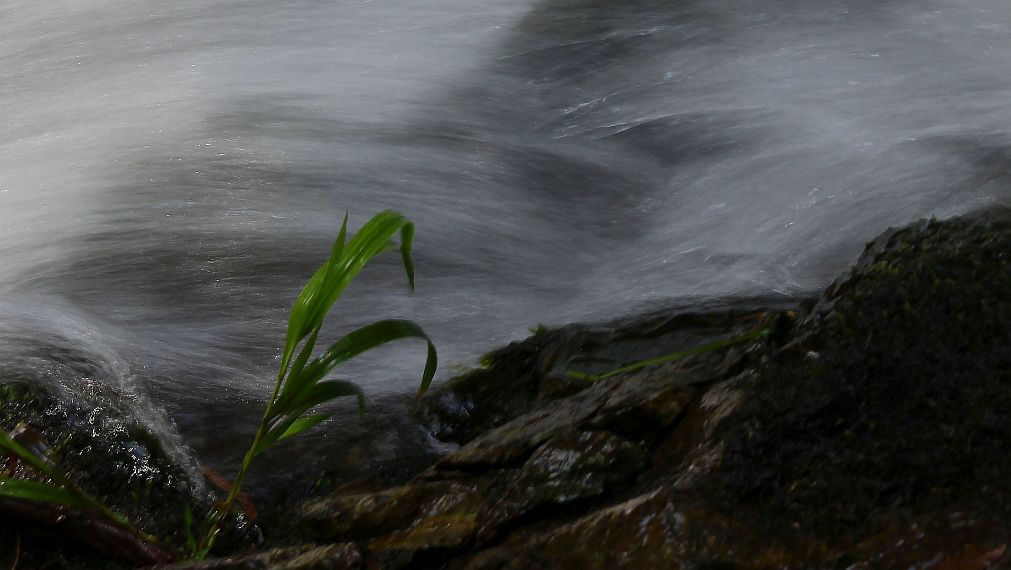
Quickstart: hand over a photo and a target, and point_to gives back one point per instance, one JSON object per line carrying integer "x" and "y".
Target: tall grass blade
{"x": 431, "y": 364}
{"x": 298, "y": 320}
{"x": 331, "y": 390}
{"x": 35, "y": 491}
{"x": 337, "y": 251}
{"x": 406, "y": 241}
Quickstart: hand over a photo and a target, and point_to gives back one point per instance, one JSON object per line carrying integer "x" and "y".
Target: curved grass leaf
{"x": 273, "y": 409}
{"x": 337, "y": 251}
{"x": 306, "y": 300}
{"x": 431, "y": 364}
{"x": 297, "y": 388}
{"x": 289, "y": 419}
{"x": 66, "y": 494}
{"x": 406, "y": 241}
{"x": 300, "y": 386}
{"x": 35, "y": 491}
{"x": 302, "y": 424}
{"x": 330, "y": 280}
{"x": 191, "y": 541}
{"x": 324, "y": 392}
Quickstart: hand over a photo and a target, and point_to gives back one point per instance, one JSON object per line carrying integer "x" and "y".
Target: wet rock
{"x": 513, "y": 442}
{"x": 648, "y": 531}
{"x": 869, "y": 431}
{"x": 578, "y": 465}
{"x": 533, "y": 372}
{"x": 561, "y": 455}
{"x": 566, "y": 468}
{"x": 330, "y": 557}
{"x": 905, "y": 405}
{"x": 408, "y": 515}
{"x": 106, "y": 451}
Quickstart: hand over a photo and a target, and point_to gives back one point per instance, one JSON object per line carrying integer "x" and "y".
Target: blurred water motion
{"x": 173, "y": 172}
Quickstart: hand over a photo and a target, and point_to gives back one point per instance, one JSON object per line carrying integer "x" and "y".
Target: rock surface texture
{"x": 867, "y": 428}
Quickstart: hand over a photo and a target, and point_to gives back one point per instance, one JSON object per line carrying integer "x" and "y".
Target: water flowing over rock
{"x": 868, "y": 430}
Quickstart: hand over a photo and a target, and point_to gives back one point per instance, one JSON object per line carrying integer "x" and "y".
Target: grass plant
{"x": 301, "y": 386}
{"x": 301, "y": 389}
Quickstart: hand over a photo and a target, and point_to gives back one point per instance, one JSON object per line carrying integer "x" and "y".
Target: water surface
{"x": 172, "y": 172}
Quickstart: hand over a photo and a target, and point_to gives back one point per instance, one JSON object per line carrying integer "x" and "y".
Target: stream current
{"x": 172, "y": 172}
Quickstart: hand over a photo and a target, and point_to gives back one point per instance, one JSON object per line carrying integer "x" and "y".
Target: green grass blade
{"x": 342, "y": 238}
{"x": 8, "y": 443}
{"x": 274, "y": 434}
{"x": 35, "y": 491}
{"x": 302, "y": 424}
{"x": 368, "y": 337}
{"x": 329, "y": 281}
{"x": 295, "y": 423}
{"x": 191, "y": 541}
{"x": 431, "y": 364}
{"x": 331, "y": 390}
{"x": 318, "y": 393}
{"x": 372, "y": 239}
{"x": 294, "y": 376}
{"x": 406, "y": 241}
{"x": 299, "y": 321}
{"x": 582, "y": 375}
{"x": 351, "y": 345}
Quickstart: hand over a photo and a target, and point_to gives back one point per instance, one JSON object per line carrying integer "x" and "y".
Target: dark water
{"x": 173, "y": 171}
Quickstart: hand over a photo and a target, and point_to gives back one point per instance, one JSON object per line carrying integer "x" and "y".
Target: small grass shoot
{"x": 301, "y": 385}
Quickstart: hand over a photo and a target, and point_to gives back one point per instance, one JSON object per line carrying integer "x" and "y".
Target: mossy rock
{"x": 108, "y": 453}
{"x": 898, "y": 392}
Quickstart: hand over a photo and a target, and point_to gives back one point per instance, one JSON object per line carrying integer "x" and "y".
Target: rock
{"x": 401, "y": 510}
{"x": 107, "y": 452}
{"x": 330, "y": 557}
{"x": 569, "y": 453}
{"x": 532, "y": 372}
{"x": 868, "y": 431}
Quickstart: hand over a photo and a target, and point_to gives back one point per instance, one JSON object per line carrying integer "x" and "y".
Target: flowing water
{"x": 171, "y": 172}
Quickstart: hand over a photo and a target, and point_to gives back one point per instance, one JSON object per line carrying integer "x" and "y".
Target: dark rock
{"x": 533, "y": 372}
{"x": 567, "y": 455}
{"x": 414, "y": 513}
{"x": 330, "y": 557}
{"x": 868, "y": 432}
{"x": 901, "y": 398}
{"x": 106, "y": 451}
